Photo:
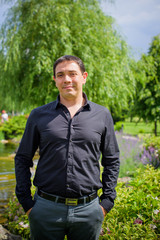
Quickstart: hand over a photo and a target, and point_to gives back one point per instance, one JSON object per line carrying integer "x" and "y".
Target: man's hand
{"x": 104, "y": 211}
{"x": 28, "y": 212}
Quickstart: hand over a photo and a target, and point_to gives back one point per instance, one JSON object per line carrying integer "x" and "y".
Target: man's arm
{"x": 110, "y": 163}
{"x": 23, "y": 162}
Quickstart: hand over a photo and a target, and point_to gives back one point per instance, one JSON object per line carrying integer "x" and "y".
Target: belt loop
{"x": 85, "y": 200}
{"x": 56, "y": 199}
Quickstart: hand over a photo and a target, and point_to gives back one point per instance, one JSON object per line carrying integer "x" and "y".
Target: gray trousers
{"x": 52, "y": 221}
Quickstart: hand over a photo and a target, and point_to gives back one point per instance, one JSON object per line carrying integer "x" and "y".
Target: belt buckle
{"x": 71, "y": 201}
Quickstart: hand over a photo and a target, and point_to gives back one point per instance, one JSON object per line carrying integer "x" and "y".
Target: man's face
{"x": 69, "y": 79}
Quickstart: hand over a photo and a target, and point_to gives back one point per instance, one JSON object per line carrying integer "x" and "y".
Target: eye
{"x": 59, "y": 75}
{"x": 73, "y": 74}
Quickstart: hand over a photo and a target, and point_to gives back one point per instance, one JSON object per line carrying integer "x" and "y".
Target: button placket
{"x": 70, "y": 158}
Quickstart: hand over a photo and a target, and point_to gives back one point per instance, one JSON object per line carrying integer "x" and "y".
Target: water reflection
{"x": 7, "y": 148}
{"x": 7, "y": 172}
{"x": 7, "y": 175}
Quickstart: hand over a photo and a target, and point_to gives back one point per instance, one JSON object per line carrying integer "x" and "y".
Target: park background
{"x": 33, "y": 35}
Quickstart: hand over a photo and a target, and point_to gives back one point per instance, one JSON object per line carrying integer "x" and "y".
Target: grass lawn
{"x": 134, "y": 128}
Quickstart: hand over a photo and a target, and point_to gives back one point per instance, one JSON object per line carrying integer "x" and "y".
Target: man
{"x": 71, "y": 134}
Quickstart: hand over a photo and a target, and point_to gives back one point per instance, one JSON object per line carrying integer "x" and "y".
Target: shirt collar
{"x": 57, "y": 104}
{"x": 86, "y": 105}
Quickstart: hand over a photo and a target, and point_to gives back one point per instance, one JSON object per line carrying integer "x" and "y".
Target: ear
{"x": 55, "y": 80}
{"x": 85, "y": 75}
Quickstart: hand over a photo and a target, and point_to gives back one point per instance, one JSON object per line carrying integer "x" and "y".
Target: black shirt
{"x": 69, "y": 149}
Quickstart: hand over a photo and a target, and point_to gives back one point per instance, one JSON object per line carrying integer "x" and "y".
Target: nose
{"x": 67, "y": 78}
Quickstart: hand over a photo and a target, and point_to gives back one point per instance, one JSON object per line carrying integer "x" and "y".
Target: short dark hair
{"x": 69, "y": 58}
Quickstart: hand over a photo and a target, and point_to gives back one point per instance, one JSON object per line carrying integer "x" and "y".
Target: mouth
{"x": 67, "y": 87}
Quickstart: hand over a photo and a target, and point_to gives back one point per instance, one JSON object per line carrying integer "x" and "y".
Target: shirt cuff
{"x": 27, "y": 204}
{"x": 107, "y": 204}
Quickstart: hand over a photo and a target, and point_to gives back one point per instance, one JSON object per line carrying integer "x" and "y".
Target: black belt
{"x": 67, "y": 201}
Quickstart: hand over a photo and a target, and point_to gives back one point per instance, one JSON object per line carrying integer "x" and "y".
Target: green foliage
{"x": 147, "y": 94}
{"x": 141, "y": 131}
{"x": 118, "y": 126}
{"x": 136, "y": 214}
{"x": 14, "y": 127}
{"x": 17, "y": 219}
{"x": 38, "y": 32}
{"x": 136, "y": 127}
{"x": 151, "y": 141}
{"x": 129, "y": 167}
{"x": 1, "y": 135}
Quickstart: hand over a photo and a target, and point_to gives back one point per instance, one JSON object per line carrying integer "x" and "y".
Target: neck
{"x": 72, "y": 102}
{"x": 73, "y": 105}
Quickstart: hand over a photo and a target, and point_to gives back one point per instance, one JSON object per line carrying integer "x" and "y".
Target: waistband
{"x": 67, "y": 201}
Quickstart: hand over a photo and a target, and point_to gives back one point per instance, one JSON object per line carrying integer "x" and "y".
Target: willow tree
{"x": 36, "y": 33}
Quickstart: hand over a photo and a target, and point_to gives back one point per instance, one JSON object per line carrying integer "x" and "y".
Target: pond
{"x": 7, "y": 175}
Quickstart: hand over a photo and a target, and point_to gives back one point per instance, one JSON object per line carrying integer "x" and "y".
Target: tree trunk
{"x": 155, "y": 127}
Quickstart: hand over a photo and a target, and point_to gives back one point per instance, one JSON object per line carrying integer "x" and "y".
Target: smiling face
{"x": 69, "y": 80}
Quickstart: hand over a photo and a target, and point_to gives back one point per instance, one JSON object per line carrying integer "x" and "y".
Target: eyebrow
{"x": 68, "y": 71}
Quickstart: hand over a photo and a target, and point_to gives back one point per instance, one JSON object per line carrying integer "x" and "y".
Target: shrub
{"x": 118, "y": 126}
{"x": 141, "y": 131}
{"x": 136, "y": 214}
{"x": 151, "y": 151}
{"x": 17, "y": 219}
{"x": 14, "y": 127}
